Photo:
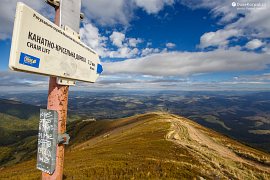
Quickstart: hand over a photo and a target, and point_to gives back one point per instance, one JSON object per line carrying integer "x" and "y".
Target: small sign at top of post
{"x": 70, "y": 11}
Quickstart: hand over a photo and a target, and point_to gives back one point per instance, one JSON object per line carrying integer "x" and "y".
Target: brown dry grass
{"x": 137, "y": 148}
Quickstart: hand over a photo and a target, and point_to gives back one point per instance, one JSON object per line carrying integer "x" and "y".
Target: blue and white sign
{"x": 29, "y": 60}
{"x": 39, "y": 46}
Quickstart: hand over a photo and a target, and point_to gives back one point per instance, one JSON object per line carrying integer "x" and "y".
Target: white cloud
{"x": 148, "y": 51}
{"x": 254, "y": 23}
{"x": 255, "y": 78}
{"x": 104, "y": 12}
{"x": 134, "y": 41}
{"x": 125, "y": 47}
{"x": 108, "y": 13}
{"x": 117, "y": 38}
{"x": 170, "y": 45}
{"x": 188, "y": 63}
{"x": 15, "y": 81}
{"x": 7, "y": 14}
{"x": 91, "y": 36}
{"x": 22, "y": 79}
{"x": 124, "y": 52}
{"x": 218, "y": 38}
{"x": 221, "y": 9}
{"x": 153, "y": 6}
{"x": 254, "y": 44}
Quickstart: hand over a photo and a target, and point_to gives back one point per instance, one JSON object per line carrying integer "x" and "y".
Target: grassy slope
{"x": 17, "y": 135}
{"x": 136, "y": 147}
{"x": 18, "y": 109}
{"x": 18, "y": 128}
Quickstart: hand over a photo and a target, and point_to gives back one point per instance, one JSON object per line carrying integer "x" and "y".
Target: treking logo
{"x": 29, "y": 60}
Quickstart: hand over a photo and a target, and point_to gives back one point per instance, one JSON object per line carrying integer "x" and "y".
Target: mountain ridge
{"x": 153, "y": 145}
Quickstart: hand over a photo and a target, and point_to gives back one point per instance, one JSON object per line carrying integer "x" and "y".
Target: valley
{"x": 244, "y": 116}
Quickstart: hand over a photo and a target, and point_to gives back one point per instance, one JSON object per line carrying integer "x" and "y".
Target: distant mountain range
{"x": 18, "y": 109}
{"x": 155, "y": 145}
{"x": 244, "y": 116}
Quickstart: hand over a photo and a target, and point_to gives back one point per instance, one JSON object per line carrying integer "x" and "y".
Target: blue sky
{"x": 163, "y": 44}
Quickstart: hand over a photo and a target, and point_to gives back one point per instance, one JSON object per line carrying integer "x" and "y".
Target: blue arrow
{"x": 99, "y": 69}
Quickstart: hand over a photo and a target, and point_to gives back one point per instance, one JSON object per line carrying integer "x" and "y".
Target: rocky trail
{"x": 183, "y": 133}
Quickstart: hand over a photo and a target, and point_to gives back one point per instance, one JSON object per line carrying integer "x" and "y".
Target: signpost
{"x": 55, "y": 50}
{"x": 39, "y": 46}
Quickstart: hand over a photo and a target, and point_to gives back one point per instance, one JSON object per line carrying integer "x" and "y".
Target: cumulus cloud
{"x": 148, "y": 51}
{"x": 153, "y": 6}
{"x": 134, "y": 41}
{"x": 251, "y": 23}
{"x": 123, "y": 52}
{"x": 190, "y": 63}
{"x": 7, "y": 14}
{"x": 117, "y": 45}
{"x": 108, "y": 13}
{"x": 117, "y": 38}
{"x": 91, "y": 36}
{"x": 254, "y": 44}
{"x": 170, "y": 45}
{"x": 218, "y": 38}
{"x": 104, "y": 12}
{"x": 255, "y": 23}
{"x": 223, "y": 10}
{"x": 124, "y": 47}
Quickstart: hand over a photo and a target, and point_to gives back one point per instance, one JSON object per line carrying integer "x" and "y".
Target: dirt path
{"x": 184, "y": 134}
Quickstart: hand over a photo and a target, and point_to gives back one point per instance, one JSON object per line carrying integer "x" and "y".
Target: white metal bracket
{"x": 54, "y": 3}
{"x": 66, "y": 82}
{"x": 71, "y": 32}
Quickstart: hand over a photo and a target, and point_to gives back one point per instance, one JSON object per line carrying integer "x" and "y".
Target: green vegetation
{"x": 5, "y": 153}
{"x": 18, "y": 131}
{"x": 18, "y": 109}
{"x": 259, "y": 131}
{"x": 211, "y": 119}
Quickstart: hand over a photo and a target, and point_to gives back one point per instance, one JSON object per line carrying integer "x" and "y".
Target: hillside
{"x": 18, "y": 130}
{"x": 17, "y": 121}
{"x": 155, "y": 146}
{"x": 18, "y": 109}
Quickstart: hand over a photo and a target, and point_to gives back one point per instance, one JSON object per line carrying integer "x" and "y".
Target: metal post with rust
{"x": 58, "y": 101}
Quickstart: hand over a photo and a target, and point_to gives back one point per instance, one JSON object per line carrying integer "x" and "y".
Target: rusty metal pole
{"x": 58, "y": 101}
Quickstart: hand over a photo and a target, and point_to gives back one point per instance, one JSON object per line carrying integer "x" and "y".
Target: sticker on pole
{"x": 47, "y": 141}
{"x": 41, "y": 47}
